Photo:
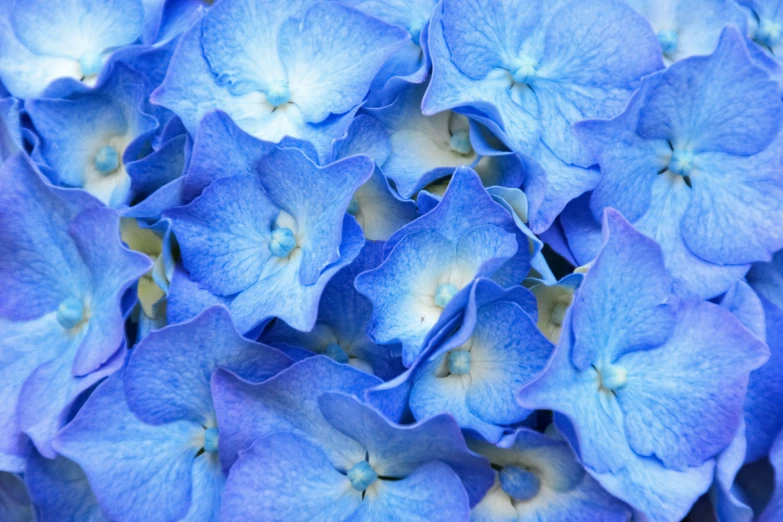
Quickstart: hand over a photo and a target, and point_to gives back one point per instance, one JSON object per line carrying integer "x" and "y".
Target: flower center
{"x": 336, "y": 352}
{"x": 282, "y": 242}
{"x": 278, "y": 94}
{"x": 444, "y": 293}
{"x": 211, "y": 440}
{"x": 90, "y": 64}
{"x": 668, "y": 41}
{"x": 524, "y": 70}
{"x": 681, "y": 162}
{"x": 107, "y": 160}
{"x": 613, "y": 377}
{"x": 768, "y": 33}
{"x": 460, "y": 142}
{"x": 459, "y": 362}
{"x": 519, "y": 483}
{"x": 70, "y": 312}
{"x": 362, "y": 476}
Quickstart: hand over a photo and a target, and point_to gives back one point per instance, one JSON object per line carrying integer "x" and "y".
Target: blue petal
{"x": 167, "y": 378}
{"x": 286, "y": 477}
{"x": 137, "y": 471}
{"x": 14, "y": 500}
{"x": 286, "y": 402}
{"x": 61, "y": 491}
{"x": 774, "y": 510}
{"x": 719, "y": 115}
{"x": 10, "y": 128}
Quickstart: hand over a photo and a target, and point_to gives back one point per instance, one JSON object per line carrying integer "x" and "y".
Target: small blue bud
{"x": 70, "y": 312}
{"x": 444, "y": 293}
{"x": 211, "y": 440}
{"x": 520, "y": 484}
{"x": 669, "y": 41}
{"x": 278, "y": 94}
{"x": 524, "y": 70}
{"x": 362, "y": 476}
{"x": 336, "y": 352}
{"x": 460, "y": 142}
{"x": 282, "y": 242}
{"x": 613, "y": 377}
{"x": 681, "y": 162}
{"x": 459, "y": 362}
{"x": 107, "y": 159}
{"x": 90, "y": 64}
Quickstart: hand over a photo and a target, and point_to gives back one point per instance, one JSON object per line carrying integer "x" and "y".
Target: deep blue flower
{"x": 332, "y": 454}
{"x": 650, "y": 387}
{"x": 696, "y": 165}
{"x": 271, "y": 236}
{"x": 151, "y": 429}
{"x": 63, "y": 271}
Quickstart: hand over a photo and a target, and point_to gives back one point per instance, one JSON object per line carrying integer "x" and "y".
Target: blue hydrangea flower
{"x": 271, "y": 240}
{"x": 151, "y": 429}
{"x": 41, "y": 42}
{"x": 474, "y": 373}
{"x": 88, "y": 142}
{"x": 303, "y": 76}
{"x": 331, "y": 454}
{"x": 60, "y": 490}
{"x": 411, "y": 64}
{"x": 538, "y": 478}
{"x": 424, "y": 149}
{"x": 63, "y": 272}
{"x": 689, "y": 27}
{"x": 377, "y": 207}
{"x": 14, "y": 499}
{"x": 697, "y": 165}
{"x": 534, "y": 69}
{"x": 434, "y": 257}
{"x": 650, "y": 388}
{"x": 341, "y": 327}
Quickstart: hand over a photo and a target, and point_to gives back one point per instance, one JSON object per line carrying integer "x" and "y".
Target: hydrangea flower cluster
{"x": 391, "y": 260}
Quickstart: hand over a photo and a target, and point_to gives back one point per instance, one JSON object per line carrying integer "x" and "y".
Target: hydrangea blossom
{"x": 634, "y": 357}
{"x": 696, "y": 165}
{"x": 62, "y": 274}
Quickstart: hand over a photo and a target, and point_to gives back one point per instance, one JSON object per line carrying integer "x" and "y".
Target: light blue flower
{"x": 90, "y": 142}
{"x": 534, "y": 69}
{"x": 696, "y": 165}
{"x": 41, "y": 42}
{"x": 303, "y": 76}
{"x": 151, "y": 429}
{"x": 689, "y": 27}
{"x": 270, "y": 237}
{"x": 333, "y": 456}
{"x": 539, "y": 478}
{"x": 434, "y": 257}
{"x": 649, "y": 388}
{"x": 63, "y": 272}
{"x": 765, "y": 23}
